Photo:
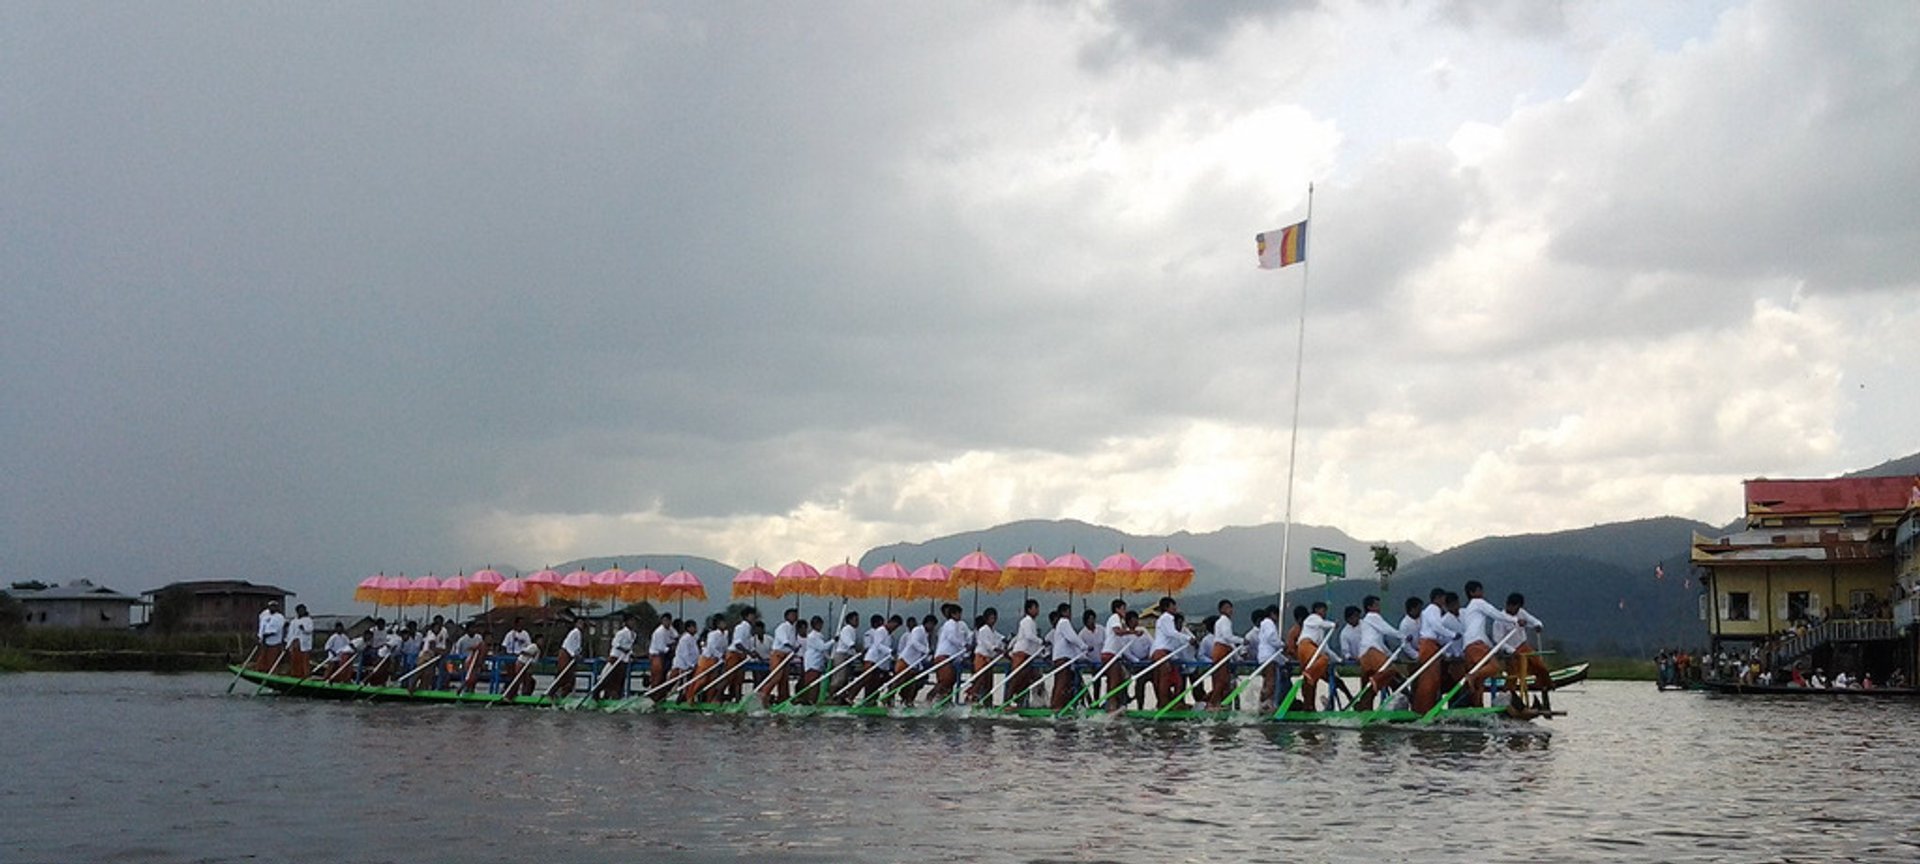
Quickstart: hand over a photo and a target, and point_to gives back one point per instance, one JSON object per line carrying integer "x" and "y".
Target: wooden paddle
{"x": 1016, "y": 673}
{"x": 1447, "y": 700}
{"x": 1098, "y": 675}
{"x": 910, "y": 681}
{"x": 243, "y": 667}
{"x": 276, "y": 667}
{"x": 1053, "y": 670}
{"x": 1294, "y": 691}
{"x": 723, "y": 677}
{"x": 513, "y": 684}
{"x": 959, "y": 687}
{"x": 1191, "y": 687}
{"x": 1369, "y": 685}
{"x": 774, "y": 675}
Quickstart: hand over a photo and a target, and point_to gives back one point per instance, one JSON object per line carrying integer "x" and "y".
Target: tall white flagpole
{"x": 1293, "y": 446}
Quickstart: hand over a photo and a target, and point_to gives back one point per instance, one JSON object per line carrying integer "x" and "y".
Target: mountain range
{"x": 1622, "y": 589}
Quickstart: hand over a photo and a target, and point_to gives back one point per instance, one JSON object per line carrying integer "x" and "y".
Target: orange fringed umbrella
{"x": 974, "y": 570}
{"x": 424, "y": 591}
{"x": 752, "y": 582}
{"x": 543, "y": 582}
{"x": 641, "y": 584}
{"x": 516, "y": 592}
{"x": 606, "y": 583}
{"x": 844, "y": 580}
{"x": 1166, "y": 572}
{"x": 1118, "y": 572}
{"x": 483, "y": 583}
{"x": 1025, "y": 571}
{"x": 368, "y": 591}
{"x": 933, "y": 582}
{"x": 1071, "y": 573}
{"x": 890, "y": 581}
{"x": 680, "y": 585}
{"x": 574, "y": 586}
{"x": 798, "y": 577}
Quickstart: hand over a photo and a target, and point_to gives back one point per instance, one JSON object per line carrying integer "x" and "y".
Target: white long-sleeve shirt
{"x": 1474, "y": 618}
{"x": 621, "y": 651}
{"x": 1094, "y": 638}
{"x": 1410, "y": 634}
{"x": 1266, "y": 641}
{"x": 1167, "y": 635}
{"x": 686, "y": 652}
{"x": 716, "y": 645}
{"x": 300, "y": 633}
{"x": 742, "y": 641}
{"x": 338, "y": 645}
{"x": 662, "y": 641}
{"x": 879, "y": 645}
{"x": 572, "y": 643}
{"x": 847, "y": 643}
{"x": 813, "y": 651}
{"x": 1067, "y": 644}
{"x": 784, "y": 638}
{"x": 514, "y": 641}
{"x": 1026, "y": 639}
{"x": 1457, "y": 647}
{"x": 273, "y": 627}
{"x": 1525, "y": 621}
{"x": 953, "y": 639}
{"x": 1433, "y": 624}
{"x": 1350, "y": 643}
{"x": 1117, "y": 639}
{"x": 913, "y": 647}
{"x": 987, "y": 642}
{"x": 1316, "y": 629}
{"x": 1375, "y": 633}
{"x": 1223, "y": 633}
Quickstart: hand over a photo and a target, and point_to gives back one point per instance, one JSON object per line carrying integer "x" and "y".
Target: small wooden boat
{"x": 1736, "y": 688}
{"x": 312, "y": 688}
{"x": 1560, "y": 677}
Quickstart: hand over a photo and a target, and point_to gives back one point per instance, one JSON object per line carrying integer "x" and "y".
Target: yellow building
{"x": 1821, "y": 576}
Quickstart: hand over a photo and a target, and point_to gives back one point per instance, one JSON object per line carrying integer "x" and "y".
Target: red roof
{"x": 1845, "y": 495}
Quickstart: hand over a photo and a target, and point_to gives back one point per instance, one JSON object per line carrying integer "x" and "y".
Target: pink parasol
{"x": 1025, "y": 570}
{"x": 393, "y": 589}
{"x": 483, "y": 582}
{"x": 752, "y": 582}
{"x": 1071, "y": 573}
{"x": 844, "y": 580}
{"x": 544, "y": 582}
{"x": 368, "y": 591}
{"x": 455, "y": 591}
{"x": 976, "y": 569}
{"x": 1166, "y": 572}
{"x": 798, "y": 577}
{"x": 681, "y": 585}
{"x": 1118, "y": 572}
{"x": 891, "y": 581}
{"x": 424, "y": 591}
{"x": 516, "y": 592}
{"x": 641, "y": 585}
{"x": 933, "y": 582}
{"x": 606, "y": 583}
{"x": 575, "y": 586}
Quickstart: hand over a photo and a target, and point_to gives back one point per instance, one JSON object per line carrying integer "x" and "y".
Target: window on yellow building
{"x": 1739, "y": 606}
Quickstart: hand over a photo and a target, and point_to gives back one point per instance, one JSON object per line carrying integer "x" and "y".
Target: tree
{"x": 1385, "y": 561}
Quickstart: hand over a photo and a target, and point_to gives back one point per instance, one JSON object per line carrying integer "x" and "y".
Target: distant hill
{"x": 1902, "y": 467}
{"x": 1620, "y": 589}
{"x": 1242, "y": 559}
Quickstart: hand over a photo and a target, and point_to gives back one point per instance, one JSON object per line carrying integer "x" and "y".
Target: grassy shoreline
{"x": 118, "y": 651}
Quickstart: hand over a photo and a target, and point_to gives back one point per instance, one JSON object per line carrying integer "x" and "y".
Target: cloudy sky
{"x": 299, "y": 293}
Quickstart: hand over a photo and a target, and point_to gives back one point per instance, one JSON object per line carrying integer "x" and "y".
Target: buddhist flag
{"x": 1283, "y": 246}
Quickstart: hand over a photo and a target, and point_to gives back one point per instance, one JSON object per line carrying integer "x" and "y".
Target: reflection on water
{"x": 150, "y": 768}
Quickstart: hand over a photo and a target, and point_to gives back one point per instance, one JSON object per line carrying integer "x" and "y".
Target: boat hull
{"x": 314, "y": 689}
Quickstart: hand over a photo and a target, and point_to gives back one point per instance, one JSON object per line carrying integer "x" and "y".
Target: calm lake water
{"x": 135, "y": 767}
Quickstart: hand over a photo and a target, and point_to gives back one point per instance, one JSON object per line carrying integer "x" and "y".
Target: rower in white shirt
{"x": 786, "y": 642}
{"x": 613, "y": 679}
{"x": 1225, "y": 644}
{"x": 521, "y": 682}
{"x": 516, "y": 638}
{"x": 879, "y": 657}
{"x": 1169, "y": 638}
{"x": 1123, "y": 635}
{"x": 272, "y": 635}
{"x": 1434, "y": 639}
{"x": 949, "y": 651}
{"x": 566, "y": 661}
{"x": 1068, "y": 648}
{"x": 1316, "y": 654}
{"x": 1094, "y": 635}
{"x": 660, "y": 645}
{"x": 1474, "y": 619}
{"x": 1374, "y": 637}
{"x": 1266, "y": 651}
{"x": 911, "y": 659}
{"x": 300, "y": 641}
{"x": 1023, "y": 649}
{"x": 814, "y": 650}
{"x": 741, "y": 648}
{"x": 1526, "y": 661}
{"x": 845, "y": 653}
{"x": 473, "y": 646}
{"x": 713, "y": 652}
{"x": 686, "y": 656}
{"x": 340, "y": 651}
{"x": 988, "y": 645}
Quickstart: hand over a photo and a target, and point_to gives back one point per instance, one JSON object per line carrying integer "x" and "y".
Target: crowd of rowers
{"x": 1437, "y": 644}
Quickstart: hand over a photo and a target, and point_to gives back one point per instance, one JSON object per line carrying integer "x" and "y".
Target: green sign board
{"x": 1329, "y": 563}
